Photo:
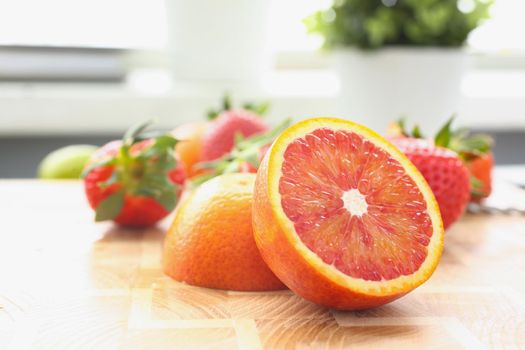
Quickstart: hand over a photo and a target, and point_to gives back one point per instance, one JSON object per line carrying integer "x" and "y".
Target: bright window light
{"x": 83, "y": 23}
{"x": 141, "y": 24}
{"x": 287, "y": 32}
{"x": 504, "y": 31}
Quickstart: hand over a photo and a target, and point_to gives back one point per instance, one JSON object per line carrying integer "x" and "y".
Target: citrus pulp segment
{"x": 342, "y": 217}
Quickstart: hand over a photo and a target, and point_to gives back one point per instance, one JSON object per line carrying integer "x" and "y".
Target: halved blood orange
{"x": 342, "y": 217}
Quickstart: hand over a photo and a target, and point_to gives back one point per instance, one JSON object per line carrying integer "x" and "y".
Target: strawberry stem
{"x": 244, "y": 150}
{"x": 259, "y": 109}
{"x": 141, "y": 167}
{"x": 131, "y": 135}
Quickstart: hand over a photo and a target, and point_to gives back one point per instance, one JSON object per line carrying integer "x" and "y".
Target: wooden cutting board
{"x": 68, "y": 283}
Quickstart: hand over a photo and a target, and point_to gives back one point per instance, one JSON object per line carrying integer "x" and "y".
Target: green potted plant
{"x": 399, "y": 57}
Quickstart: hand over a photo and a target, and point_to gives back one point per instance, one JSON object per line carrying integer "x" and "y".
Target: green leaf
{"x": 168, "y": 199}
{"x": 146, "y": 191}
{"x": 263, "y": 139}
{"x": 401, "y": 123}
{"x": 249, "y": 106}
{"x": 146, "y": 135}
{"x": 475, "y": 187}
{"x": 374, "y": 24}
{"x": 212, "y": 114}
{"x": 468, "y": 146}
{"x": 110, "y": 207}
{"x": 263, "y": 108}
{"x": 165, "y": 142}
{"x": 251, "y": 156}
{"x": 476, "y": 144}
{"x": 147, "y": 173}
{"x": 461, "y": 133}
{"x": 258, "y": 108}
{"x": 226, "y": 105}
{"x": 238, "y": 138}
{"x": 212, "y": 164}
{"x": 232, "y": 167}
{"x": 444, "y": 135}
{"x": 160, "y": 154}
{"x": 475, "y": 183}
{"x": 244, "y": 150}
{"x": 227, "y": 102}
{"x": 113, "y": 179}
{"x": 109, "y": 161}
{"x": 133, "y": 132}
{"x": 154, "y": 181}
{"x": 416, "y": 132}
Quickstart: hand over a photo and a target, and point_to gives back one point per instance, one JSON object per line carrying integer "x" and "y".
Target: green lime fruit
{"x": 66, "y": 162}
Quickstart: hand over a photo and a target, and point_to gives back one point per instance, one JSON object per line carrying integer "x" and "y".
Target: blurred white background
{"x": 117, "y": 71}
{"x": 299, "y": 80}
{"x": 142, "y": 24}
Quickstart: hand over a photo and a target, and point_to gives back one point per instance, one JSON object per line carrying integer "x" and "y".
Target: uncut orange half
{"x": 342, "y": 217}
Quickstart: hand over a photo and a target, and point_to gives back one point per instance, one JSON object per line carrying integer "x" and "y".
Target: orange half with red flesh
{"x": 343, "y": 218}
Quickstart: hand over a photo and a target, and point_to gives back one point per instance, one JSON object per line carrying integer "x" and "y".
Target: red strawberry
{"x": 178, "y": 175}
{"x": 473, "y": 149}
{"x": 444, "y": 171}
{"x": 480, "y": 168}
{"x": 132, "y": 183}
{"x": 244, "y": 157}
{"x": 220, "y": 135}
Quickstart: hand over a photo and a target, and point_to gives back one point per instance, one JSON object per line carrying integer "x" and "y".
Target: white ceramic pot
{"x": 218, "y": 40}
{"x": 422, "y": 84}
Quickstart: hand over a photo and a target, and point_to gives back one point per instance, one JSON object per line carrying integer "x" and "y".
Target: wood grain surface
{"x": 68, "y": 283}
